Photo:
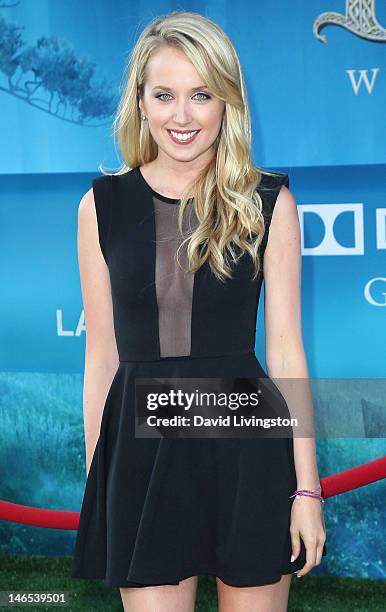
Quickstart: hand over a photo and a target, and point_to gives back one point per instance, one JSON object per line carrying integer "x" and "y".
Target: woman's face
{"x": 176, "y": 99}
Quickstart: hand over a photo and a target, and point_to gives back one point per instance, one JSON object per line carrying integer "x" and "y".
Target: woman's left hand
{"x": 307, "y": 521}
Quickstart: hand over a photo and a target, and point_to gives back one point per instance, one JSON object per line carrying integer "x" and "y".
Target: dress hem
{"x": 123, "y": 583}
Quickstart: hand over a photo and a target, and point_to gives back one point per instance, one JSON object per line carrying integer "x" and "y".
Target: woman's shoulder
{"x": 271, "y": 181}
{"x": 114, "y": 179}
{"x": 269, "y": 189}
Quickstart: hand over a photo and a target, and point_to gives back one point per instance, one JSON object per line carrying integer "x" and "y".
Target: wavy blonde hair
{"x": 227, "y": 205}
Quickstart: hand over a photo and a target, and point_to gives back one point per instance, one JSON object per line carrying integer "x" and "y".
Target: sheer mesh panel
{"x": 174, "y": 286}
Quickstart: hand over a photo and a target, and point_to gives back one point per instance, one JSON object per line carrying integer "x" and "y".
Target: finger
{"x": 295, "y": 544}
{"x": 319, "y": 552}
{"x": 310, "y": 557}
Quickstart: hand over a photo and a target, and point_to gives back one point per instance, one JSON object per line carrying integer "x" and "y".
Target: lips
{"x": 186, "y": 140}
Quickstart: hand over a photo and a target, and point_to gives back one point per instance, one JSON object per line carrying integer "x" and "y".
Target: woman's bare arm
{"x": 285, "y": 356}
{"x": 101, "y": 357}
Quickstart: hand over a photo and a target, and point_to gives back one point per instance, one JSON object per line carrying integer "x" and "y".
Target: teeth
{"x": 183, "y": 136}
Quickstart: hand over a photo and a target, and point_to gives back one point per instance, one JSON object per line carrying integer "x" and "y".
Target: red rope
{"x": 354, "y": 478}
{"x": 335, "y": 484}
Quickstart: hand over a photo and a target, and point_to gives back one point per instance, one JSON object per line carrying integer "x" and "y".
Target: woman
{"x": 173, "y": 249}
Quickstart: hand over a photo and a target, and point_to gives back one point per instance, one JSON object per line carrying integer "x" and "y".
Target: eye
{"x": 203, "y": 94}
{"x": 160, "y": 95}
{"x": 206, "y": 96}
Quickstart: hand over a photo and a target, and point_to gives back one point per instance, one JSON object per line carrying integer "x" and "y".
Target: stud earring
{"x": 143, "y": 117}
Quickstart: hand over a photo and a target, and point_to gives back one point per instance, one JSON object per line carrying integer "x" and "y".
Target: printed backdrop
{"x": 315, "y": 74}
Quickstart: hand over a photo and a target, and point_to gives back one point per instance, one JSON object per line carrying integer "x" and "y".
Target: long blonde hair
{"x": 227, "y": 205}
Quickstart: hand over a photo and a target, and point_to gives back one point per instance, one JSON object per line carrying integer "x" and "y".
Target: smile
{"x": 183, "y": 138}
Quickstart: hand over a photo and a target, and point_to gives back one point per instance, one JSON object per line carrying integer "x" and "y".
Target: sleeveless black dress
{"x": 158, "y": 510}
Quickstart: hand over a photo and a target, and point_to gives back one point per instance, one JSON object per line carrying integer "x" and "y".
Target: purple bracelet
{"x": 307, "y": 493}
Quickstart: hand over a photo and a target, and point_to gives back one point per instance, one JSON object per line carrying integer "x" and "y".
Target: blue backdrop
{"x": 317, "y": 113}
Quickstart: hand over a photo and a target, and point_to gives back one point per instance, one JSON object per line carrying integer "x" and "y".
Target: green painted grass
{"x": 307, "y": 594}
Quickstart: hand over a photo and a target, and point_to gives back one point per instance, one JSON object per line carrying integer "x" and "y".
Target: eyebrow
{"x": 193, "y": 88}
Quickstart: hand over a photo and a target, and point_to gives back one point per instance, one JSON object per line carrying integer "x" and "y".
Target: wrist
{"x": 309, "y": 486}
{"x": 313, "y": 492}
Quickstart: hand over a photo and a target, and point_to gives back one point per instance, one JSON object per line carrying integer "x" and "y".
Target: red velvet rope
{"x": 335, "y": 484}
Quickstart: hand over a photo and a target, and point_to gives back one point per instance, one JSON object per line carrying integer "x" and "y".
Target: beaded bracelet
{"x": 307, "y": 493}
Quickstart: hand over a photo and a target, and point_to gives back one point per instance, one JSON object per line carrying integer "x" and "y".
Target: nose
{"x": 182, "y": 114}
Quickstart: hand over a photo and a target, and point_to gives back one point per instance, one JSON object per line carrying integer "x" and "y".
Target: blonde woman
{"x": 173, "y": 249}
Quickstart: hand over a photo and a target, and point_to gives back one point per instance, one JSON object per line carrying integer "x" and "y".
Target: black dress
{"x": 158, "y": 510}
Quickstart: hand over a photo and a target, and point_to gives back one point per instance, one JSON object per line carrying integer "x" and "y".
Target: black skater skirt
{"x": 159, "y": 510}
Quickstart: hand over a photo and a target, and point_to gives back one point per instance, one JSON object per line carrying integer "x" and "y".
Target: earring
{"x": 143, "y": 117}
